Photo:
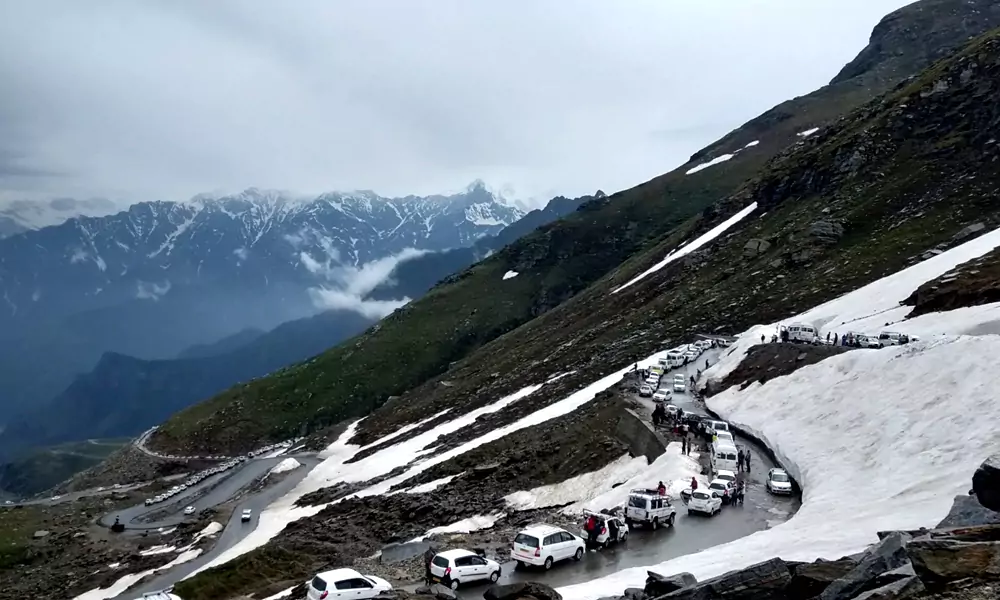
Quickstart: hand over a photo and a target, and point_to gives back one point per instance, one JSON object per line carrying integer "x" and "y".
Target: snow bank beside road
{"x": 289, "y": 464}
{"x": 879, "y": 440}
{"x": 609, "y": 486}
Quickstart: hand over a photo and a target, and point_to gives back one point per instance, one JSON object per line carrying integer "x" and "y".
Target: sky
{"x": 164, "y": 99}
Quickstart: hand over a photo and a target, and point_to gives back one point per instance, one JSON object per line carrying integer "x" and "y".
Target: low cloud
{"x": 347, "y": 287}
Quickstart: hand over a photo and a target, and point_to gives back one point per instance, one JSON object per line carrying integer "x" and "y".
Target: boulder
{"x": 888, "y": 554}
{"x": 513, "y": 591}
{"x": 635, "y": 594}
{"x": 810, "y": 579}
{"x": 907, "y": 587}
{"x": 986, "y": 483}
{"x": 943, "y": 560}
{"x": 754, "y": 247}
{"x": 661, "y": 585}
{"x": 966, "y": 511}
{"x": 827, "y": 232}
{"x": 762, "y": 581}
{"x": 443, "y": 593}
{"x": 969, "y": 230}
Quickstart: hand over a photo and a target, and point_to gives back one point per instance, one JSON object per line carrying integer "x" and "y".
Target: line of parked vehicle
{"x": 194, "y": 480}
{"x": 805, "y": 333}
{"x": 676, "y": 357}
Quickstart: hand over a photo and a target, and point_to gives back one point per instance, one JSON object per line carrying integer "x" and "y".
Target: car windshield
{"x": 717, "y": 485}
{"x": 779, "y": 477}
{"x": 440, "y": 561}
{"x": 637, "y": 501}
{"x": 319, "y": 583}
{"x": 526, "y": 540}
{"x": 700, "y": 495}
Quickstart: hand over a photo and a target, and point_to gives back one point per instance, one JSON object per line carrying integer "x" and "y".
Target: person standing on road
{"x": 429, "y": 555}
{"x": 747, "y": 457}
{"x": 706, "y": 363}
{"x": 739, "y": 460}
{"x": 684, "y": 444}
{"x": 762, "y": 338}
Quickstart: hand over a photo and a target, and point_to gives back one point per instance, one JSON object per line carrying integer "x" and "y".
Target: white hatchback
{"x": 455, "y": 567}
{"x": 704, "y": 503}
{"x": 344, "y": 584}
{"x": 543, "y": 545}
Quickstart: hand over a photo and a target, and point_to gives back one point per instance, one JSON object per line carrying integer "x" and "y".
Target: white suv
{"x": 544, "y": 545}
{"x": 455, "y": 567}
{"x": 648, "y": 507}
{"x": 343, "y": 584}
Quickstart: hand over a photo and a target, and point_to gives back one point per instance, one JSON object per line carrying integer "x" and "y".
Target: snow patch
{"x": 700, "y": 241}
{"x": 510, "y": 275}
{"x": 715, "y": 161}
{"x": 609, "y": 487}
{"x": 430, "y": 486}
{"x": 284, "y": 466}
{"x": 475, "y": 523}
{"x": 752, "y": 144}
{"x": 807, "y": 132}
{"x": 158, "y": 550}
{"x": 282, "y": 594}
{"x": 129, "y": 580}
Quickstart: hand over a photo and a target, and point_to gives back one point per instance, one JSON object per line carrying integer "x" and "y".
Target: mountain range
{"x": 124, "y": 394}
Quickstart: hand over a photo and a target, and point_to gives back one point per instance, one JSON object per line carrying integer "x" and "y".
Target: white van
{"x": 724, "y": 457}
{"x": 675, "y": 359}
{"x": 891, "y": 338}
{"x": 800, "y": 332}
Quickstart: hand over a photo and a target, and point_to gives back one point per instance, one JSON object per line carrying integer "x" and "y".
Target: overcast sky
{"x": 141, "y": 100}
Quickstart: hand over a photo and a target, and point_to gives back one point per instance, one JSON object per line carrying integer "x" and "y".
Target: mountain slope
{"x": 613, "y": 234}
{"x": 903, "y": 174}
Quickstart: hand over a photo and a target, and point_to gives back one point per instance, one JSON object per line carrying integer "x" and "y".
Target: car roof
{"x": 339, "y": 574}
{"x": 721, "y": 471}
{"x": 721, "y": 482}
{"x": 542, "y": 530}
{"x": 777, "y": 470}
{"x": 456, "y": 553}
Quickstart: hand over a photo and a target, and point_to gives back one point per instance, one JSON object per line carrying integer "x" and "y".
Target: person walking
{"x": 429, "y": 555}
{"x": 694, "y": 484}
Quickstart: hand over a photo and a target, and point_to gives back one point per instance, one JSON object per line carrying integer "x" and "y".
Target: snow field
{"x": 715, "y": 161}
{"x": 510, "y": 275}
{"x": 127, "y": 581}
{"x": 868, "y": 308}
{"x": 878, "y": 440}
{"x": 289, "y": 464}
{"x": 684, "y": 250}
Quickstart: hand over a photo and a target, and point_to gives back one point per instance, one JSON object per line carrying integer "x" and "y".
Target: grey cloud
{"x": 349, "y": 286}
{"x": 162, "y": 100}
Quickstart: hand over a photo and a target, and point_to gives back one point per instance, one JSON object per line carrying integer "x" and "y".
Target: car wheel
{"x": 519, "y": 566}
{"x": 548, "y": 563}
{"x": 670, "y": 519}
{"x": 454, "y": 584}
{"x": 494, "y": 576}
{"x": 623, "y": 537}
{"x": 690, "y": 511}
{"x": 579, "y": 554}
{"x": 656, "y": 523}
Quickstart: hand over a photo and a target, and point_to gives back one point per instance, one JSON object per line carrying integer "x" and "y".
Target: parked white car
{"x": 346, "y": 584}
{"x": 648, "y": 507}
{"x": 645, "y": 391}
{"x": 247, "y": 513}
{"x": 661, "y": 395}
{"x": 189, "y": 510}
{"x": 608, "y": 530}
{"x": 544, "y": 545}
{"x": 778, "y": 482}
{"x": 727, "y": 476}
{"x": 723, "y": 488}
{"x": 455, "y": 567}
{"x": 891, "y": 338}
{"x": 704, "y": 502}
{"x": 653, "y": 381}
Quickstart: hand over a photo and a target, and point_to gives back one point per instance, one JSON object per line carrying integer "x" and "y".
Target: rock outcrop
{"x": 517, "y": 591}
{"x": 986, "y": 483}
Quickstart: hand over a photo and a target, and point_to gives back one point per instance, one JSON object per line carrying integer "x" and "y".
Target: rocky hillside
{"x": 877, "y": 184}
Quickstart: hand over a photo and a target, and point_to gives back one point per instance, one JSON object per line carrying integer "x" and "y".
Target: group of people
{"x": 743, "y": 460}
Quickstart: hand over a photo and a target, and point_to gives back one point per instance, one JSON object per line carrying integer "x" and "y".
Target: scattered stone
{"x": 969, "y": 230}
{"x": 908, "y": 587}
{"x": 40, "y": 533}
{"x": 888, "y": 554}
{"x": 826, "y": 232}
{"x": 661, "y": 585}
{"x": 754, "y": 247}
{"x": 514, "y": 591}
{"x": 986, "y": 483}
{"x": 635, "y": 594}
